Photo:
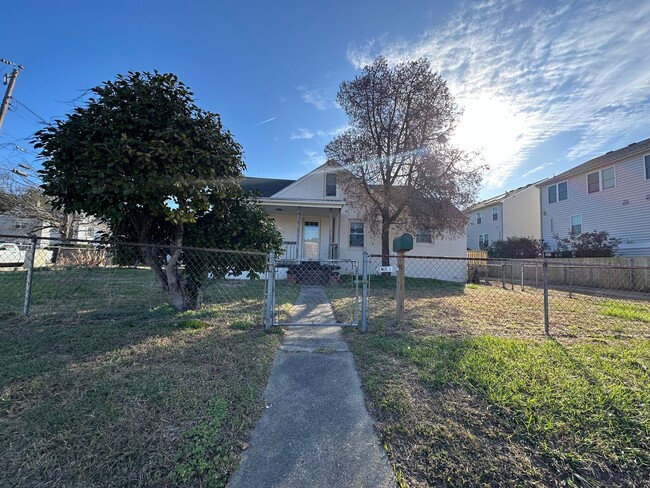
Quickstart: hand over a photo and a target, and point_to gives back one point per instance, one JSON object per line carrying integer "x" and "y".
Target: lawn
{"x": 106, "y": 385}
{"x": 469, "y": 392}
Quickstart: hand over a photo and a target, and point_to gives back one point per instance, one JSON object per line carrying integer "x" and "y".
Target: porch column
{"x": 338, "y": 234}
{"x": 298, "y": 246}
{"x": 330, "y": 233}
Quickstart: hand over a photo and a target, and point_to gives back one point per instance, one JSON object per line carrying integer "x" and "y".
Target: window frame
{"x": 557, "y": 193}
{"x": 329, "y": 185}
{"x": 362, "y": 234}
{"x": 571, "y": 225}
{"x": 495, "y": 213}
{"x": 479, "y": 218}
{"x": 423, "y": 231}
{"x": 601, "y": 180}
{"x": 485, "y": 238}
{"x": 646, "y": 164}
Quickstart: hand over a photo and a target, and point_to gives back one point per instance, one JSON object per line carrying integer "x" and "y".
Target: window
{"x": 330, "y": 185}
{"x": 483, "y": 241}
{"x": 495, "y": 213}
{"x": 576, "y": 224}
{"x": 423, "y": 236}
{"x": 601, "y": 180}
{"x": 356, "y": 234}
{"x": 647, "y": 167}
{"x": 559, "y": 192}
{"x": 478, "y": 218}
{"x": 608, "y": 177}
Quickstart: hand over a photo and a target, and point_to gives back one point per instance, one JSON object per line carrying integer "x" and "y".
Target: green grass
{"x": 487, "y": 410}
{"x": 106, "y": 385}
{"x": 626, "y": 311}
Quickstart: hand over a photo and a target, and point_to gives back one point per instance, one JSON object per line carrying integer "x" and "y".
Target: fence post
{"x": 399, "y": 294}
{"x": 30, "y": 275}
{"x": 365, "y": 266}
{"x": 522, "y": 277}
{"x": 545, "y": 281}
{"x": 503, "y": 275}
{"x": 270, "y": 291}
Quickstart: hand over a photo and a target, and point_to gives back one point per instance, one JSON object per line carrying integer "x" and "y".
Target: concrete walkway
{"x": 315, "y": 431}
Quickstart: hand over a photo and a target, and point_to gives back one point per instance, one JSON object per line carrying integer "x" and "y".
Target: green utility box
{"x": 403, "y": 243}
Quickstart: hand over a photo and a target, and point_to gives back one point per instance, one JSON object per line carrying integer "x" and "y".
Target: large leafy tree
{"x": 142, "y": 156}
{"x": 399, "y": 169}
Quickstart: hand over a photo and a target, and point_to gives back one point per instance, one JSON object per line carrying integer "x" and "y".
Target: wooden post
{"x": 399, "y": 294}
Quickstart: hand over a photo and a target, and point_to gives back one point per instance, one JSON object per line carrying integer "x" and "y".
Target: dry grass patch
{"x": 131, "y": 395}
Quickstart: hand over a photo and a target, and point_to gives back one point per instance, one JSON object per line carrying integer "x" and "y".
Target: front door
{"x": 311, "y": 239}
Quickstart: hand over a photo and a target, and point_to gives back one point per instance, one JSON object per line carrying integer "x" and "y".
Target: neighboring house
{"x": 608, "y": 193}
{"x": 317, "y": 224}
{"x": 87, "y": 228}
{"x": 512, "y": 214}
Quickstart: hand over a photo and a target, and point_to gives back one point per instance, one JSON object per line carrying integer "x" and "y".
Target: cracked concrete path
{"x": 315, "y": 431}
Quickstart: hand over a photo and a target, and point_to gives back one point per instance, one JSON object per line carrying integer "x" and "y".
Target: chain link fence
{"x": 125, "y": 281}
{"x": 461, "y": 296}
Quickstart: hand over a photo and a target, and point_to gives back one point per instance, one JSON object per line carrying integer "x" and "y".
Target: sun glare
{"x": 496, "y": 128}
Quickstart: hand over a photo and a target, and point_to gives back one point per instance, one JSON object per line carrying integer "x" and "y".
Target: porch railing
{"x": 289, "y": 250}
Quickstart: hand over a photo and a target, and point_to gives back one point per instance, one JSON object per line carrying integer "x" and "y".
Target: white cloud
{"x": 316, "y": 98}
{"x": 536, "y": 169}
{"x": 526, "y": 72}
{"x": 305, "y": 134}
{"x": 313, "y": 159}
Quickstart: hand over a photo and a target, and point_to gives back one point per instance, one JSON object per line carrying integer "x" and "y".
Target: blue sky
{"x": 544, "y": 85}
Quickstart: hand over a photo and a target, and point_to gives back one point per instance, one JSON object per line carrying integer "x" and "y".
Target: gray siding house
{"x": 512, "y": 214}
{"x": 608, "y": 193}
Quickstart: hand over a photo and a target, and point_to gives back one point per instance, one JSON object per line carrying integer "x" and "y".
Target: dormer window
{"x": 330, "y": 185}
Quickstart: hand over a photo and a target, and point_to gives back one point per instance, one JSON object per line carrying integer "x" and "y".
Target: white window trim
{"x": 600, "y": 179}
{"x": 356, "y": 234}
{"x": 571, "y": 223}
{"x": 479, "y": 216}
{"x": 336, "y": 191}
{"x": 486, "y": 239}
{"x": 646, "y": 168}
{"x": 496, "y": 207}
{"x": 557, "y": 192}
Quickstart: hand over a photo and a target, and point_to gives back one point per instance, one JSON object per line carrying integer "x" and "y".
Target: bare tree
{"x": 399, "y": 169}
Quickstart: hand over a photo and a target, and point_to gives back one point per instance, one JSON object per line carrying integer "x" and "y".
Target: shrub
{"x": 517, "y": 248}
{"x": 588, "y": 244}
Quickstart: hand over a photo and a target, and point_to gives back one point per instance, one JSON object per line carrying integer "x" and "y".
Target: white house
{"x": 512, "y": 214}
{"x": 317, "y": 224}
{"x": 86, "y": 228}
{"x": 608, "y": 193}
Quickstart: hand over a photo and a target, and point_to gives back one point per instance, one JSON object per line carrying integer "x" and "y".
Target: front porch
{"x": 311, "y": 230}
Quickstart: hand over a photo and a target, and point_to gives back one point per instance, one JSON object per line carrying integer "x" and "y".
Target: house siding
{"x": 494, "y": 228}
{"x": 521, "y": 214}
{"x": 605, "y": 210}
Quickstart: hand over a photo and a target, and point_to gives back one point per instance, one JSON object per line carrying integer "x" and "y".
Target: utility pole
{"x": 10, "y": 81}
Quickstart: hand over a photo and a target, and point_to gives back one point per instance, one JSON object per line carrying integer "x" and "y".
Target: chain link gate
{"x": 316, "y": 292}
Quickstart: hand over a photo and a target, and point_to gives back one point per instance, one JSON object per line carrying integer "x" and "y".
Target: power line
{"x": 30, "y": 110}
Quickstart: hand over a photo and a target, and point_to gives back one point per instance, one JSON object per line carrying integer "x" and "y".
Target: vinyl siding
{"x": 605, "y": 210}
{"x": 494, "y": 228}
{"x": 521, "y": 214}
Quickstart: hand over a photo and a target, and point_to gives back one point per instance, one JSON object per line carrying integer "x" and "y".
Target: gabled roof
{"x": 327, "y": 164}
{"x": 607, "y": 158}
{"x": 501, "y": 197}
{"x": 264, "y": 186}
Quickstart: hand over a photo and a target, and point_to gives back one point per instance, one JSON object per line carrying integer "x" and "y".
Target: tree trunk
{"x": 385, "y": 243}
